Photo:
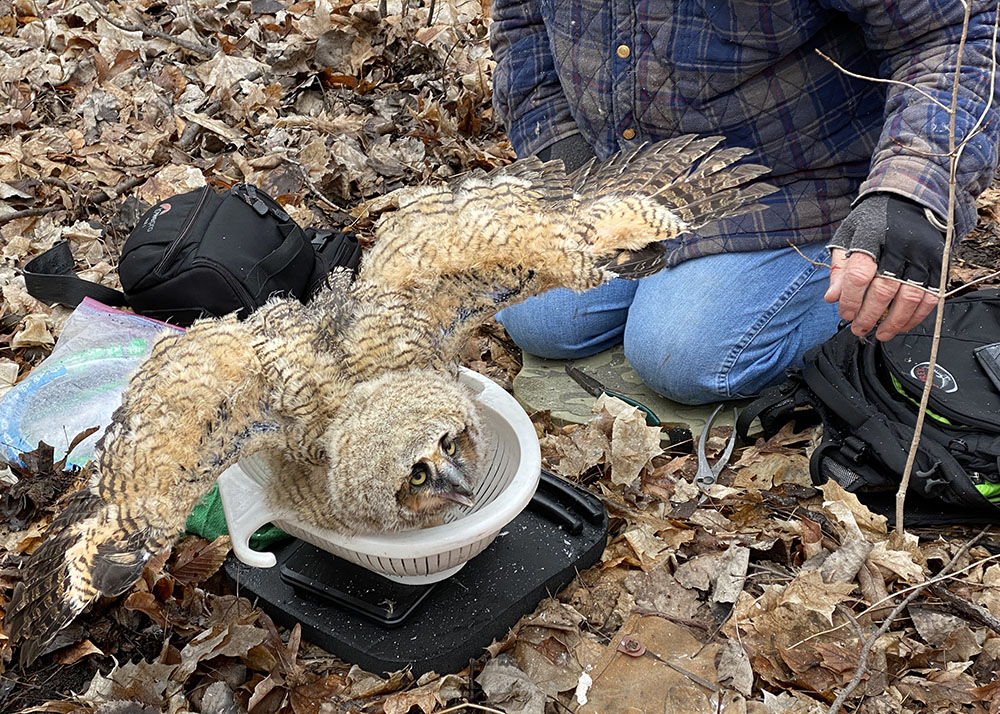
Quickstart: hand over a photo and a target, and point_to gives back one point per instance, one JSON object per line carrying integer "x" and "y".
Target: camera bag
{"x": 201, "y": 254}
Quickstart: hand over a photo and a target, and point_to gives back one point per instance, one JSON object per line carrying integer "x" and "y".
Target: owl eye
{"x": 418, "y": 475}
{"x": 447, "y": 446}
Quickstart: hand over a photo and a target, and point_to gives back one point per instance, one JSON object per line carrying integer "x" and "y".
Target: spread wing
{"x": 188, "y": 412}
{"x": 453, "y": 255}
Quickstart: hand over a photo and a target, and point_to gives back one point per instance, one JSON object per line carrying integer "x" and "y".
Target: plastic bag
{"x": 79, "y": 385}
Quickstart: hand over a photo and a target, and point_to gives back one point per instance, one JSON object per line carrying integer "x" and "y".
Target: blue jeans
{"x": 719, "y": 327}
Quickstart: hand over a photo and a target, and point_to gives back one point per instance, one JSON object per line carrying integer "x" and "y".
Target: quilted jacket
{"x": 626, "y": 71}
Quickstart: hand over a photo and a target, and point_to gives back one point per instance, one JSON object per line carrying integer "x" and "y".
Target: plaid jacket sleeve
{"x": 526, "y": 89}
{"x": 918, "y": 41}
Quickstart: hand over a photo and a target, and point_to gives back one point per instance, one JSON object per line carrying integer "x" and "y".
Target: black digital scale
{"x": 384, "y": 626}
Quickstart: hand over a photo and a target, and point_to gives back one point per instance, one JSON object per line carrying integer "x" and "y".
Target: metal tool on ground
{"x": 680, "y": 436}
{"x": 708, "y": 474}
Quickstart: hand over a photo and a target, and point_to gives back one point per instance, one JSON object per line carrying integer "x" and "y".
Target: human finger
{"x": 879, "y": 295}
{"x": 838, "y": 258}
{"x": 907, "y": 300}
{"x": 858, "y": 273}
{"x": 928, "y": 302}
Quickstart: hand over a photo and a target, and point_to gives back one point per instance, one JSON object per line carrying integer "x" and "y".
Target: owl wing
{"x": 451, "y": 256}
{"x": 194, "y": 407}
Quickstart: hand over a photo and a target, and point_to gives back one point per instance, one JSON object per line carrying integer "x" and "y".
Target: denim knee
{"x": 548, "y": 340}
{"x": 561, "y": 324}
{"x": 687, "y": 374}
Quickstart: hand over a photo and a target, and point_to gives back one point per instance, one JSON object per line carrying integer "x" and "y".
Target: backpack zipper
{"x": 260, "y": 202}
{"x": 175, "y": 244}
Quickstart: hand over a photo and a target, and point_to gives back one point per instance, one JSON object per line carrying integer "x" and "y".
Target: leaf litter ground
{"x": 759, "y": 599}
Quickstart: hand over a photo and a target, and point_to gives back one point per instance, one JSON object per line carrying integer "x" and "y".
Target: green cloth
{"x": 991, "y": 491}
{"x": 208, "y": 520}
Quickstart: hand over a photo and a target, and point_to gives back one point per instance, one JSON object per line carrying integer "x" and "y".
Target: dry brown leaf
{"x": 34, "y": 332}
{"x": 319, "y": 694}
{"x": 137, "y": 681}
{"x": 74, "y": 654}
{"x": 146, "y": 603}
{"x": 700, "y": 572}
{"x": 219, "y": 641}
{"x": 508, "y": 687}
{"x": 732, "y": 571}
{"x": 364, "y": 685}
{"x": 634, "y": 444}
{"x": 226, "y": 70}
{"x": 734, "y": 668}
{"x": 168, "y": 181}
{"x": 581, "y": 450}
{"x": 844, "y": 563}
{"x": 773, "y": 469}
{"x": 644, "y": 542}
{"x": 659, "y": 591}
{"x": 899, "y": 563}
{"x": 199, "y": 560}
{"x": 808, "y": 592}
{"x": 845, "y": 507}
{"x": 427, "y": 697}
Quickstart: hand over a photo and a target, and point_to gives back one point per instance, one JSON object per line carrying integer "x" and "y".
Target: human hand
{"x": 885, "y": 254}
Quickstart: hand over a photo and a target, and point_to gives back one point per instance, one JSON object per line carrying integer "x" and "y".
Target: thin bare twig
{"x": 879, "y": 80}
{"x": 953, "y": 156}
{"x": 971, "y": 611}
{"x": 469, "y": 705}
{"x": 969, "y": 284}
{"x": 97, "y": 197}
{"x": 866, "y": 649}
{"x": 879, "y": 603}
{"x": 29, "y": 213}
{"x": 814, "y": 263}
{"x": 197, "y": 48}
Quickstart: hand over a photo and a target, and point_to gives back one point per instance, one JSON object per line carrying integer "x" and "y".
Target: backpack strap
{"x": 294, "y": 255}
{"x": 49, "y": 277}
{"x": 776, "y": 406}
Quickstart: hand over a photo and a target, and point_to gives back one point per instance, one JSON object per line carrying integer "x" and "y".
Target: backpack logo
{"x": 151, "y": 221}
{"x": 943, "y": 379}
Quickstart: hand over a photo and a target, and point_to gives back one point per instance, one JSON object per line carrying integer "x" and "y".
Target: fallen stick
{"x": 97, "y": 197}
{"x": 968, "y": 609}
{"x": 200, "y": 49}
{"x": 862, "y": 669}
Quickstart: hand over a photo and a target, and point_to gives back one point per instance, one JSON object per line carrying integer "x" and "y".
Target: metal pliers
{"x": 708, "y": 475}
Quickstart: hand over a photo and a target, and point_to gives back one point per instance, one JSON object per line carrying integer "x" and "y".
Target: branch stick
{"x": 888, "y": 598}
{"x": 953, "y": 156}
{"x": 969, "y": 609}
{"x": 96, "y": 197}
{"x": 879, "y": 80}
{"x": 151, "y": 32}
{"x": 862, "y": 668}
{"x": 969, "y": 284}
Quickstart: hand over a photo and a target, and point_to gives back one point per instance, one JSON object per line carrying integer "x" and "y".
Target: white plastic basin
{"x": 513, "y": 465}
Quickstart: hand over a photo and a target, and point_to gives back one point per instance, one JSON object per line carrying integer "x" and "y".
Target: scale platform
{"x": 384, "y": 626}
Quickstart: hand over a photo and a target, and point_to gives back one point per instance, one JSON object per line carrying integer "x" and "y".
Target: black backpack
{"x": 204, "y": 254}
{"x": 866, "y": 394}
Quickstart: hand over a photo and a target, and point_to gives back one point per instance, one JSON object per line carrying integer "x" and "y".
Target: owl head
{"x": 404, "y": 449}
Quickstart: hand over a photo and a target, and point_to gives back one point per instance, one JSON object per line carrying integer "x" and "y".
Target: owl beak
{"x": 453, "y": 486}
